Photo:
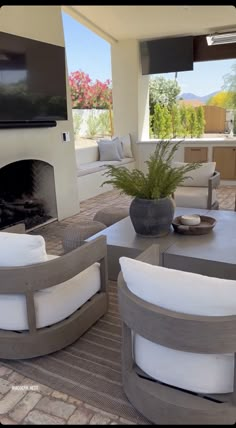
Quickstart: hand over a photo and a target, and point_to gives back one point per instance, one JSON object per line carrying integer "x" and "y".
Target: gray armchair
{"x": 193, "y": 196}
{"x": 47, "y": 305}
{"x": 178, "y": 343}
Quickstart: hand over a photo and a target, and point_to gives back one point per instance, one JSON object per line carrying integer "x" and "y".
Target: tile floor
{"x": 22, "y": 402}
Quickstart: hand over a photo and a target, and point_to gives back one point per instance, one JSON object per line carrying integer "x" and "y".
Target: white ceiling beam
{"x": 89, "y": 24}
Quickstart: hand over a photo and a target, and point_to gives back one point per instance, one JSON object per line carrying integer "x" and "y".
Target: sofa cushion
{"x": 191, "y": 294}
{"x": 108, "y": 151}
{"x": 193, "y": 197}
{"x": 51, "y": 304}
{"x": 21, "y": 249}
{"x": 200, "y": 176}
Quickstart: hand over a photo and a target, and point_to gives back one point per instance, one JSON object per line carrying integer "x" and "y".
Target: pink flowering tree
{"x": 101, "y": 96}
{"x": 87, "y": 95}
{"x": 80, "y": 85}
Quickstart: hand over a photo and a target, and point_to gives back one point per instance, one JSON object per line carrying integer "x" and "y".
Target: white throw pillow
{"x": 117, "y": 142}
{"x": 108, "y": 150}
{"x": 126, "y": 143}
{"x": 21, "y": 249}
{"x": 185, "y": 292}
{"x": 200, "y": 176}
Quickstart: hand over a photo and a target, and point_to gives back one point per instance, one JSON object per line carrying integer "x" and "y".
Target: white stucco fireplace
{"x": 37, "y": 176}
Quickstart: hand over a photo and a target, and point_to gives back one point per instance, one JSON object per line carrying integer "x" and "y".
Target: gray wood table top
{"x": 213, "y": 254}
{"x": 122, "y": 233}
{"x": 219, "y": 245}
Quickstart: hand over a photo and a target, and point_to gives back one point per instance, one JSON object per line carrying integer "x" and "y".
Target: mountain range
{"x": 190, "y": 96}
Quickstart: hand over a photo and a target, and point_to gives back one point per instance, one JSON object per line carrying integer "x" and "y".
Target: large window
{"x": 196, "y": 103}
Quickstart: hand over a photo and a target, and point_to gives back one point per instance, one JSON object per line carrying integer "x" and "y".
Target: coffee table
{"x": 213, "y": 254}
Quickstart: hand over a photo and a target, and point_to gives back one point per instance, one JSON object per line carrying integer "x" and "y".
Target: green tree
{"x": 184, "y": 119}
{"x": 151, "y": 133}
{"x": 192, "y": 121}
{"x": 222, "y": 99}
{"x": 200, "y": 126}
{"x": 158, "y": 122}
{"x": 230, "y": 84}
{"x": 163, "y": 91}
{"x": 167, "y": 123}
{"x": 176, "y": 121}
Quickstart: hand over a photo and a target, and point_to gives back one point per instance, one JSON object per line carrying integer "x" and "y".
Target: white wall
{"x": 42, "y": 23}
{"x": 130, "y": 92}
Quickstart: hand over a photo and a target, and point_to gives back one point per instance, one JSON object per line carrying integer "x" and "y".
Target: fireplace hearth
{"x": 29, "y": 211}
{"x": 27, "y": 194}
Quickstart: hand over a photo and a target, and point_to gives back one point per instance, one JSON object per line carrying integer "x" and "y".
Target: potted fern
{"x": 152, "y": 208}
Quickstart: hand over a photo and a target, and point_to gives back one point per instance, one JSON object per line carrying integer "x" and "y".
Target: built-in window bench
{"x": 90, "y": 171}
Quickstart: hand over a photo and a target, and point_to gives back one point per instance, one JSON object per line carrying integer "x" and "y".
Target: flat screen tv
{"x": 32, "y": 82}
{"x": 166, "y": 55}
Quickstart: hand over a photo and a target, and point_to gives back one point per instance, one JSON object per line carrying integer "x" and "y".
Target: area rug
{"x": 90, "y": 368}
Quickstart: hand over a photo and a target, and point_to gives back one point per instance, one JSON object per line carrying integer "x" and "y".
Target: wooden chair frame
{"x": 27, "y": 280}
{"x": 213, "y": 183}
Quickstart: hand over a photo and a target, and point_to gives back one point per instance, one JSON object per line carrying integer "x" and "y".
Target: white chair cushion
{"x": 20, "y": 249}
{"x": 52, "y": 304}
{"x": 200, "y": 176}
{"x": 193, "y": 197}
{"x": 191, "y": 294}
{"x": 201, "y": 373}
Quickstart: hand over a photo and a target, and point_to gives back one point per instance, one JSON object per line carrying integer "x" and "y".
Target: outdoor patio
{"x": 24, "y": 401}
{"x": 85, "y": 330}
{"x": 53, "y": 232}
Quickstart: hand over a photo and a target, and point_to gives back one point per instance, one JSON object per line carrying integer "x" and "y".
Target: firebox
{"x": 27, "y": 194}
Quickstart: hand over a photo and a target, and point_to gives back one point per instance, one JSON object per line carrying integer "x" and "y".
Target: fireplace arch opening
{"x": 27, "y": 194}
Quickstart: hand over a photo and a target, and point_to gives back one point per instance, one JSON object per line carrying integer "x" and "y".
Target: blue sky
{"x": 90, "y": 53}
{"x": 85, "y": 50}
{"x": 206, "y": 77}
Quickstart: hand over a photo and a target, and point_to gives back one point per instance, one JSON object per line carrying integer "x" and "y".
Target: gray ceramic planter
{"x": 152, "y": 217}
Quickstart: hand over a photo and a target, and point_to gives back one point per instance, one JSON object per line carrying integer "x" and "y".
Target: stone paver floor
{"x": 25, "y": 402}
{"x": 22, "y": 401}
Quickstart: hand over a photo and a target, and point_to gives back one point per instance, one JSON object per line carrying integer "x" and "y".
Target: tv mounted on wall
{"x": 32, "y": 82}
{"x": 166, "y": 55}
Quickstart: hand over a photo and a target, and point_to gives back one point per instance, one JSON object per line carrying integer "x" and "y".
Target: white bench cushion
{"x": 193, "y": 197}
{"x": 51, "y": 304}
{"x": 91, "y": 167}
{"x": 191, "y": 294}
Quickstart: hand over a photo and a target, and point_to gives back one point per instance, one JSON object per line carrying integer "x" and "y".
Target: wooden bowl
{"x": 205, "y": 226}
